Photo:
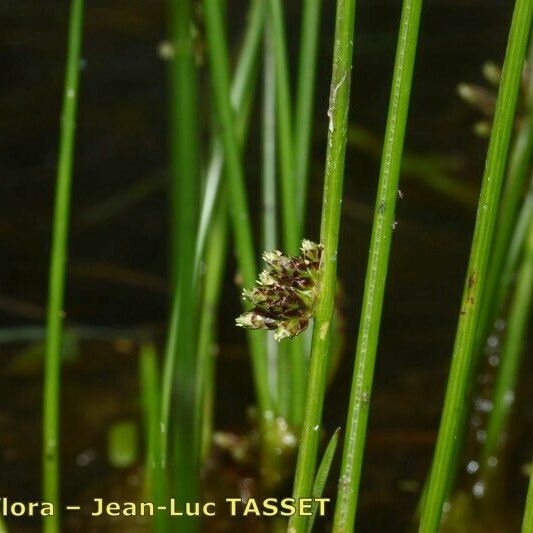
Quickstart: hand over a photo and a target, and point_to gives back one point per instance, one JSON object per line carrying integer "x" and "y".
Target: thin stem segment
{"x": 219, "y": 64}
{"x": 304, "y": 101}
{"x": 376, "y": 274}
{"x": 505, "y": 386}
{"x": 458, "y": 381}
{"x": 329, "y": 236}
{"x": 58, "y": 259}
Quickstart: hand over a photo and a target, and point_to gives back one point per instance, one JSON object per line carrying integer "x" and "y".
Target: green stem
{"x": 305, "y": 94}
{"x": 270, "y": 230}
{"x": 504, "y": 388}
{"x": 376, "y": 274}
{"x": 179, "y": 371}
{"x": 284, "y": 116}
{"x": 519, "y": 171}
{"x": 218, "y": 56}
{"x": 215, "y": 261}
{"x": 58, "y": 259}
{"x": 513, "y": 255}
{"x": 242, "y": 92}
{"x": 329, "y": 237}
{"x": 456, "y": 393}
{"x": 149, "y": 385}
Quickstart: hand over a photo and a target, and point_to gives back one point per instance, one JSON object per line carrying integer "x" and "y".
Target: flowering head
{"x": 284, "y": 297}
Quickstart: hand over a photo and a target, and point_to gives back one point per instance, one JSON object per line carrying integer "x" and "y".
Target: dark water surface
{"x": 117, "y": 266}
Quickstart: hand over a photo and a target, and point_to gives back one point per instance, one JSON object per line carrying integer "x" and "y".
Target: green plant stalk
{"x": 505, "y": 385}
{"x": 294, "y": 369}
{"x": 269, "y": 205}
{"x": 150, "y": 401}
{"x": 515, "y": 247}
{"x": 215, "y": 262}
{"x": 290, "y": 230}
{"x": 519, "y": 171}
{"x": 303, "y": 120}
{"x": 322, "y": 474}
{"x": 58, "y": 259}
{"x": 527, "y": 524}
{"x": 329, "y": 238}
{"x": 155, "y": 474}
{"x": 184, "y": 131}
{"x": 242, "y": 91}
{"x": 179, "y": 371}
{"x": 219, "y": 66}
{"x": 456, "y": 392}
{"x": 376, "y": 274}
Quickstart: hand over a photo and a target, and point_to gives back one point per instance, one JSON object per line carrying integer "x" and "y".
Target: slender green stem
{"x": 58, "y": 259}
{"x": 305, "y": 94}
{"x": 513, "y": 255}
{"x": 329, "y": 237}
{"x": 457, "y": 388}
{"x": 179, "y": 371}
{"x": 215, "y": 262}
{"x": 184, "y": 130}
{"x": 269, "y": 227}
{"x": 284, "y": 115}
{"x": 504, "y": 389}
{"x": 376, "y": 274}
{"x": 242, "y": 92}
{"x": 219, "y": 65}
{"x": 155, "y": 474}
{"x": 518, "y": 174}
{"x": 293, "y": 374}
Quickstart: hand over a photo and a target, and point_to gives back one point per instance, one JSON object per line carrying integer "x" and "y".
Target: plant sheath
{"x": 58, "y": 259}
{"x": 457, "y": 388}
{"x": 329, "y": 237}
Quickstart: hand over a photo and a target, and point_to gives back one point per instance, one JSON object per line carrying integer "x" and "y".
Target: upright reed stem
{"x": 218, "y": 56}
{"x": 517, "y": 176}
{"x": 505, "y": 386}
{"x": 179, "y": 373}
{"x": 304, "y": 102}
{"x": 457, "y": 388}
{"x": 58, "y": 259}
{"x": 376, "y": 274}
{"x": 284, "y": 115}
{"x": 329, "y": 236}
{"x": 276, "y": 376}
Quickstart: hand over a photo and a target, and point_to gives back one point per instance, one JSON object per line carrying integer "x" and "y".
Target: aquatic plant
{"x": 285, "y": 295}
{"x": 378, "y": 259}
{"x": 458, "y": 380}
{"x": 56, "y": 284}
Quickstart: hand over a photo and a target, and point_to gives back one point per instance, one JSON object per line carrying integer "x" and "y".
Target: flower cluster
{"x": 285, "y": 294}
